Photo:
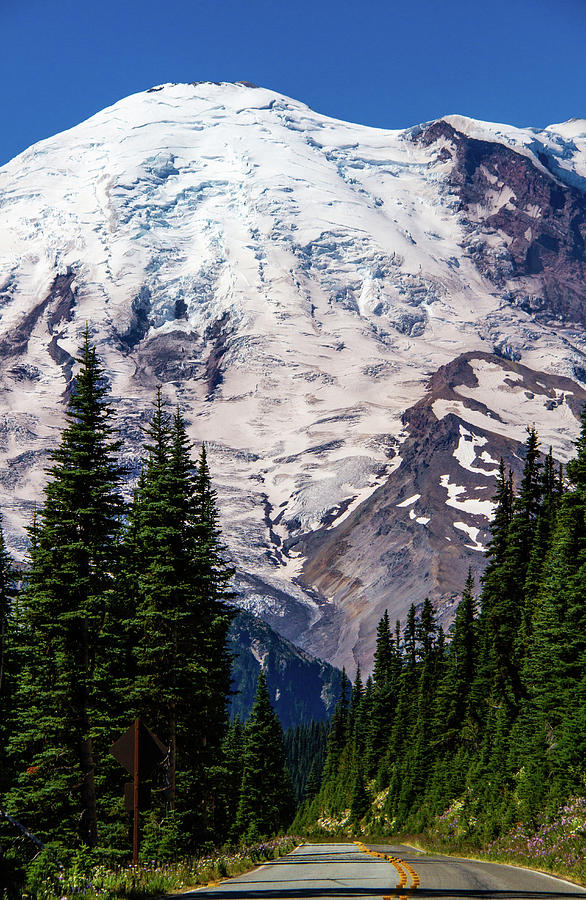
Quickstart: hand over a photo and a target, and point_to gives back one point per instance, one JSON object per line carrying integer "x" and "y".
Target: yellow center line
{"x": 404, "y": 869}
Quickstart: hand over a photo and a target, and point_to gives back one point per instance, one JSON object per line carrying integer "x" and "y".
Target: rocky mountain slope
{"x": 359, "y": 322}
{"x": 301, "y": 688}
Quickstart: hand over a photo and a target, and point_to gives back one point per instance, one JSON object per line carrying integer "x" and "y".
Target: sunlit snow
{"x": 322, "y": 259}
{"x": 470, "y": 505}
{"x": 472, "y": 533}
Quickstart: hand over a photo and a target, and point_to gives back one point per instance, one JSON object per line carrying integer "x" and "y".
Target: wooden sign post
{"x": 136, "y": 788}
{"x": 139, "y": 751}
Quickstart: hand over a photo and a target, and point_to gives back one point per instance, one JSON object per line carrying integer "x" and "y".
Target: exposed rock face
{"x": 524, "y": 220}
{"x": 301, "y": 687}
{"x": 294, "y": 283}
{"x": 420, "y": 531}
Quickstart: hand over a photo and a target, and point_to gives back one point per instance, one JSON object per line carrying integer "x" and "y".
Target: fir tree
{"x": 454, "y": 689}
{"x": 233, "y": 749}
{"x": 385, "y": 686}
{"x": 178, "y": 578}
{"x": 266, "y": 797}
{"x": 338, "y": 731}
{"x": 70, "y": 622}
{"x": 7, "y": 598}
{"x": 305, "y": 749}
{"x": 359, "y": 801}
{"x": 492, "y": 582}
{"x": 213, "y": 582}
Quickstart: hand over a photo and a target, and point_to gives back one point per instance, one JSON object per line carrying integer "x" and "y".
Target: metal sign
{"x": 144, "y": 797}
{"x": 151, "y": 750}
{"x": 139, "y": 751}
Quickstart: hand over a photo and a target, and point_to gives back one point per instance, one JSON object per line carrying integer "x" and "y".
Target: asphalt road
{"x": 340, "y": 871}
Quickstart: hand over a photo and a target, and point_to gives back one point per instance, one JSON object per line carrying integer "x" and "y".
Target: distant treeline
{"x": 493, "y": 718}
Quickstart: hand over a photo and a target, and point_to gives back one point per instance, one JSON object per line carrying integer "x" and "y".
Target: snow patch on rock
{"x": 469, "y": 505}
{"x": 472, "y": 533}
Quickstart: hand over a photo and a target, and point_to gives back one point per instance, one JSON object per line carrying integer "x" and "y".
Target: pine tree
{"x": 452, "y": 708}
{"x": 385, "y": 686}
{"x": 70, "y": 622}
{"x": 551, "y": 490}
{"x": 305, "y": 749}
{"x": 213, "y": 582}
{"x": 178, "y": 577}
{"x": 420, "y": 753}
{"x": 7, "y": 598}
{"x": 553, "y": 727}
{"x": 356, "y": 698}
{"x": 508, "y": 602}
{"x": 338, "y": 732}
{"x": 359, "y": 801}
{"x": 492, "y": 584}
{"x": 266, "y": 797}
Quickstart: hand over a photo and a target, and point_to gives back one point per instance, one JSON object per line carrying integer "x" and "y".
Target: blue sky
{"x": 389, "y": 63}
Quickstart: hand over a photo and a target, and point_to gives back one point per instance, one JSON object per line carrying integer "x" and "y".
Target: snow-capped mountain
{"x": 358, "y": 322}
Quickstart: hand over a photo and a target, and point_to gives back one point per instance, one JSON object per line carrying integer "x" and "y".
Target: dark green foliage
{"x": 495, "y": 718}
{"x": 305, "y": 749}
{"x": 70, "y": 630}
{"x": 266, "y": 803}
{"x": 453, "y": 694}
{"x": 177, "y": 585}
{"x": 124, "y": 612}
{"x": 359, "y": 800}
{"x": 338, "y": 729}
{"x": 234, "y": 765}
{"x": 7, "y": 654}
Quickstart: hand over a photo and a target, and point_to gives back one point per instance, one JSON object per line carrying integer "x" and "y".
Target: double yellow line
{"x": 404, "y": 870}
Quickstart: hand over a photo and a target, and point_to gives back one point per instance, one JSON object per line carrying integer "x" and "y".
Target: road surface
{"x": 346, "y": 871}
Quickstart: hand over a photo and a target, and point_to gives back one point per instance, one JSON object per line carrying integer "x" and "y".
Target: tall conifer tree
{"x": 179, "y": 580}
{"x": 266, "y": 797}
{"x": 7, "y": 596}
{"x": 70, "y": 620}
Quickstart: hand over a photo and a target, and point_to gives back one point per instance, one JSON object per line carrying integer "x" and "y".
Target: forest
{"x": 122, "y": 611}
{"x": 485, "y": 727}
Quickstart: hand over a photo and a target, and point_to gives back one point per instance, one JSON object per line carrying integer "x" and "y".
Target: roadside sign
{"x": 152, "y": 750}
{"x": 139, "y": 751}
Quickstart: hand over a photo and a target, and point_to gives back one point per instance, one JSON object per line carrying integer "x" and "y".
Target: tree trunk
{"x": 89, "y": 816}
{"x": 172, "y": 757}
{"x": 89, "y": 813}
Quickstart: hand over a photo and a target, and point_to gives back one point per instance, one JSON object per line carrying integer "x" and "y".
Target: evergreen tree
{"x": 356, "y": 698}
{"x": 551, "y": 491}
{"x": 553, "y": 671}
{"x": 359, "y": 801}
{"x": 492, "y": 582}
{"x": 213, "y": 582}
{"x": 385, "y": 685}
{"x": 266, "y": 797}
{"x": 384, "y": 657}
{"x": 7, "y": 598}
{"x": 70, "y": 628}
{"x": 508, "y": 603}
{"x": 452, "y": 707}
{"x": 338, "y": 731}
{"x": 419, "y": 754}
{"x": 178, "y": 579}
{"x": 410, "y": 637}
{"x": 305, "y": 749}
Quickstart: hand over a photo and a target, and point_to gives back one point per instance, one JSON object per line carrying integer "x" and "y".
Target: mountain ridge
{"x": 294, "y": 282}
